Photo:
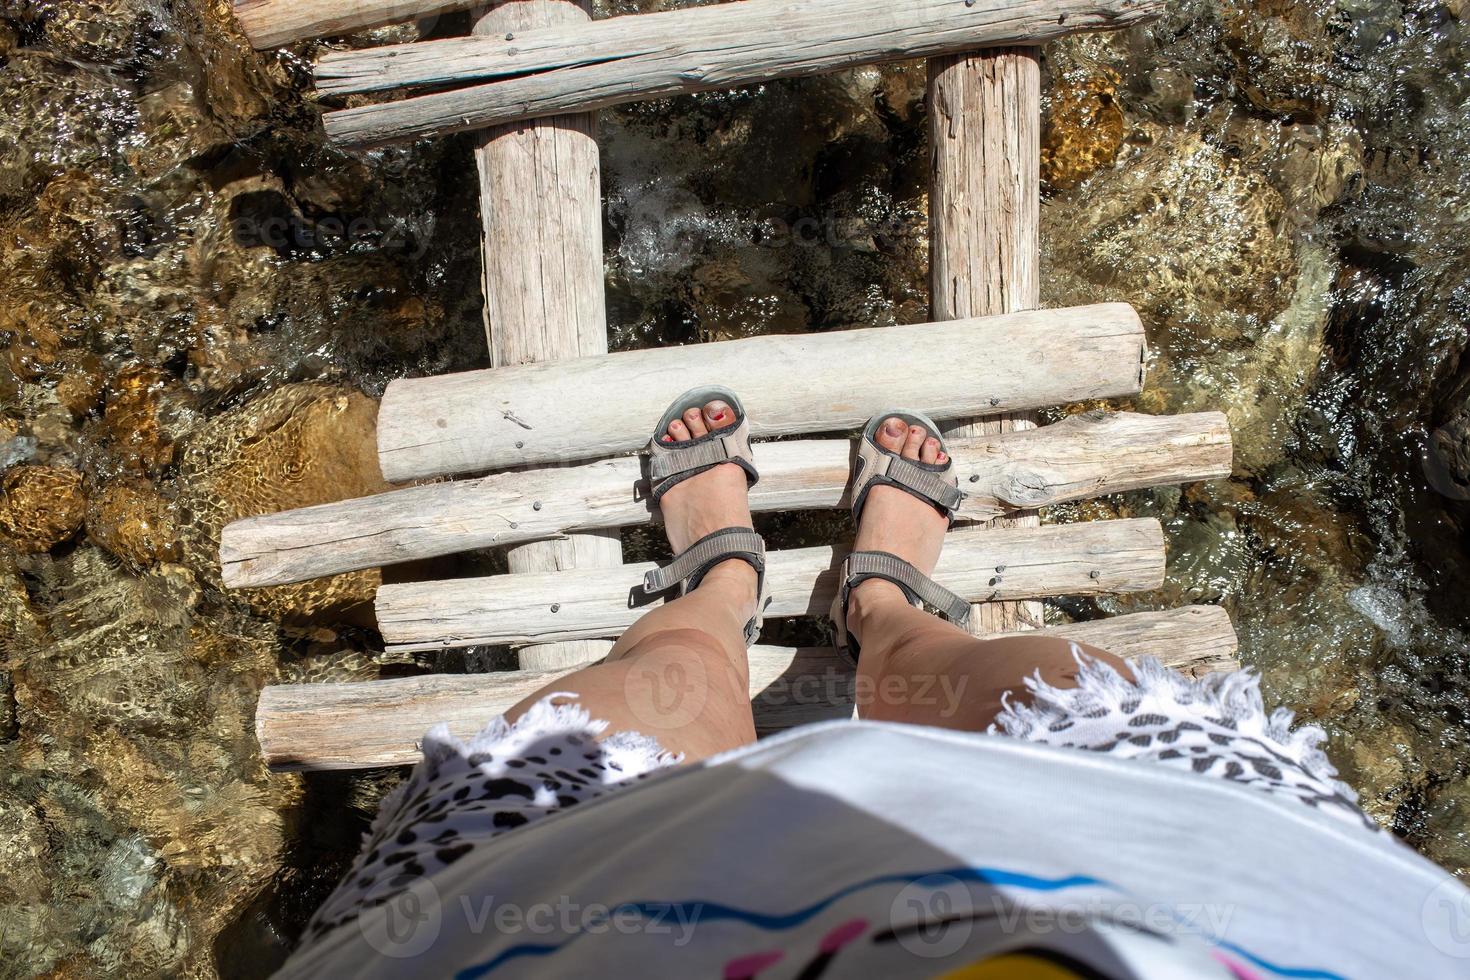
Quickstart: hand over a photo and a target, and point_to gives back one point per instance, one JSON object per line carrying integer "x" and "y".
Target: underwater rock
{"x": 142, "y": 413}
{"x": 40, "y": 506}
{"x": 22, "y": 847}
{"x": 32, "y": 345}
{"x": 1445, "y": 827}
{"x": 1283, "y": 53}
{"x": 133, "y": 521}
{"x": 21, "y": 631}
{"x": 82, "y": 120}
{"x": 1185, "y": 232}
{"x": 81, "y": 385}
{"x": 137, "y": 728}
{"x": 120, "y": 32}
{"x": 1083, "y": 127}
{"x": 298, "y": 445}
{"x": 1447, "y": 457}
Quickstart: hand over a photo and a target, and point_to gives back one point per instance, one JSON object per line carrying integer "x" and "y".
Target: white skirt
{"x": 467, "y": 795}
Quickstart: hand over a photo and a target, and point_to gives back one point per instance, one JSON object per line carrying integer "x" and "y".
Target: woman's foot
{"x": 897, "y": 522}
{"x": 715, "y": 499}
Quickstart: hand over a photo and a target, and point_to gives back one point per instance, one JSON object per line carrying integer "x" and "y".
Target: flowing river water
{"x": 200, "y": 303}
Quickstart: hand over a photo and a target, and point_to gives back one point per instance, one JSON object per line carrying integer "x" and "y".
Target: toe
{"x": 913, "y": 442}
{"x": 694, "y": 419}
{"x": 929, "y": 452}
{"x": 679, "y": 431}
{"x": 718, "y": 415}
{"x": 891, "y": 434}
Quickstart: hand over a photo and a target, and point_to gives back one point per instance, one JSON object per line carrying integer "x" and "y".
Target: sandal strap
{"x": 937, "y": 487}
{"x": 672, "y": 464}
{"x": 693, "y": 562}
{"x": 713, "y": 449}
{"x": 918, "y": 587}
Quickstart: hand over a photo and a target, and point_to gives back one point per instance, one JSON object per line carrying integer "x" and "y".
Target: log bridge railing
{"x": 561, "y": 483}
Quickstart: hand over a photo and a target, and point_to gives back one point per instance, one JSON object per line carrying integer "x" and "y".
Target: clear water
{"x": 199, "y": 303}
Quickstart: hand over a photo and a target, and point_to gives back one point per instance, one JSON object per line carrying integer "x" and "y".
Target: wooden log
{"x": 272, "y": 23}
{"x": 1079, "y": 559}
{"x": 1082, "y": 456}
{"x": 541, "y": 211}
{"x": 985, "y": 223}
{"x": 534, "y": 414}
{"x": 645, "y": 56}
{"x": 303, "y": 727}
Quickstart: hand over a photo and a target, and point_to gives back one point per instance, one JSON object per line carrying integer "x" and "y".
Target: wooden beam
{"x": 985, "y": 223}
{"x": 1082, "y": 456}
{"x": 645, "y": 56}
{"x": 272, "y": 23}
{"x": 541, "y": 212}
{"x": 535, "y": 414}
{"x": 1071, "y": 559}
{"x": 304, "y": 727}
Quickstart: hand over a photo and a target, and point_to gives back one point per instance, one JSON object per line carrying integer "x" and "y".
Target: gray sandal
{"x": 933, "y": 483}
{"x": 671, "y": 464}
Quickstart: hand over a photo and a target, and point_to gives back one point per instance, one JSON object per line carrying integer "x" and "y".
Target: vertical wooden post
{"x": 984, "y": 218}
{"x": 541, "y": 208}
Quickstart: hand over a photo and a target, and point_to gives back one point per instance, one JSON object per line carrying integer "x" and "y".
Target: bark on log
{"x": 644, "y": 56}
{"x": 521, "y": 415}
{"x": 985, "y": 223}
{"x": 1070, "y": 559}
{"x": 272, "y": 23}
{"x": 303, "y": 727}
{"x": 541, "y": 211}
{"x": 1082, "y": 456}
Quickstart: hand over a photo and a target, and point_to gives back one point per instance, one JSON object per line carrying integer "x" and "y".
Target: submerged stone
{"x": 1083, "y": 125}
{"x": 296, "y": 446}
{"x": 133, "y": 521}
{"x": 40, "y": 506}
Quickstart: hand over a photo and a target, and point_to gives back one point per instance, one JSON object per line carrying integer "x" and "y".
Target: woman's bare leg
{"x": 680, "y": 673}
{"x": 915, "y": 667}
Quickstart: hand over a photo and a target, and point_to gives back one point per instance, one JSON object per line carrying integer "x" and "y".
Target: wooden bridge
{"x": 561, "y": 482}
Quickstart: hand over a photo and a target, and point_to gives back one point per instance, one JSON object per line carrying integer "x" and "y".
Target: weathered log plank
{"x": 1082, "y": 456}
{"x": 1071, "y": 559}
{"x": 535, "y": 414}
{"x": 644, "y": 56}
{"x": 272, "y": 23}
{"x": 541, "y": 214}
{"x": 378, "y": 723}
{"x": 985, "y": 223}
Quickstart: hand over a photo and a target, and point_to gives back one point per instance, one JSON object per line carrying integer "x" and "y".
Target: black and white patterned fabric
{"x": 1215, "y": 726}
{"x": 465, "y": 795}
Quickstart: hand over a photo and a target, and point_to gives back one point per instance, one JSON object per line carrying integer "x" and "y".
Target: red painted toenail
{"x": 717, "y": 416}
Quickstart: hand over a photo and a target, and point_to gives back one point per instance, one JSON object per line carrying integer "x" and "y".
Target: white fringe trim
{"x": 627, "y": 755}
{"x": 633, "y": 752}
{"x": 1234, "y": 696}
